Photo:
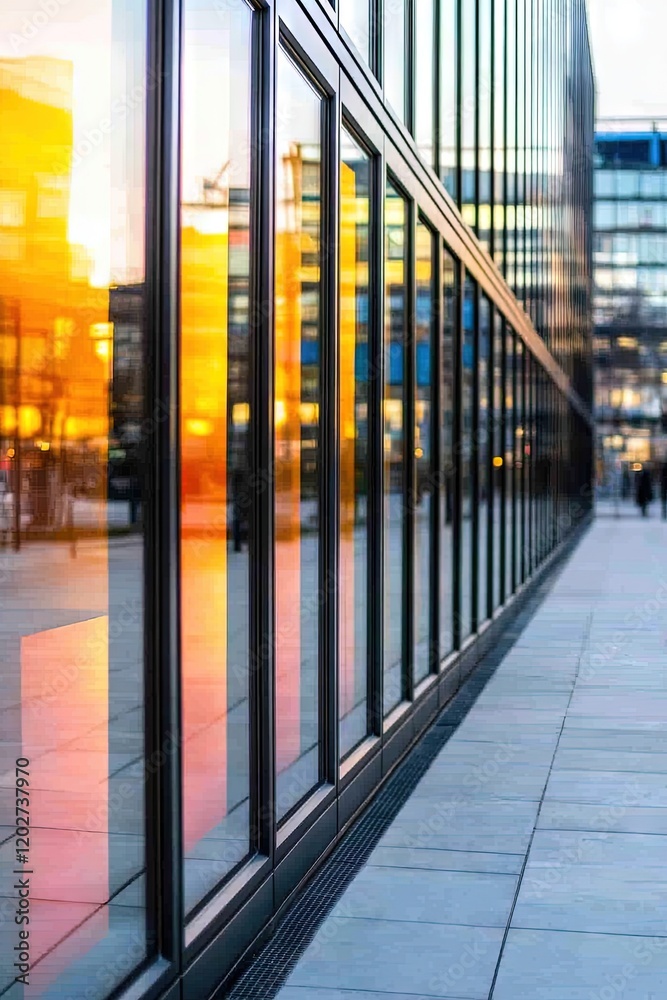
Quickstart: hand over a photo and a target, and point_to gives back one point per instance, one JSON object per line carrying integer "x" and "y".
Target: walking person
{"x": 663, "y": 489}
{"x": 644, "y": 490}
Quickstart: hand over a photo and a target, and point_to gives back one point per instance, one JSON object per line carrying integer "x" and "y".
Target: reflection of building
{"x": 631, "y": 290}
{"x": 56, "y": 346}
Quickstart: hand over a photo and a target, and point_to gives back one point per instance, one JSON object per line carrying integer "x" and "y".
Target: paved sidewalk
{"x": 531, "y": 861}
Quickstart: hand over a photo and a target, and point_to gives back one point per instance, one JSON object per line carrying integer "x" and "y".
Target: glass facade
{"x": 630, "y": 300}
{"x": 277, "y": 445}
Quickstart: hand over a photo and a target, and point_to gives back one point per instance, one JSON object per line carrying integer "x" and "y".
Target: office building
{"x": 630, "y": 301}
{"x": 295, "y": 390}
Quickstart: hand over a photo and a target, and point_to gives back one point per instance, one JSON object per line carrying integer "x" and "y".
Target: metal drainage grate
{"x": 270, "y": 967}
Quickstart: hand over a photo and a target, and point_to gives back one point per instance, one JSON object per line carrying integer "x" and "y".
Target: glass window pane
{"x": 215, "y": 415}
{"x": 510, "y": 435}
{"x": 485, "y": 90}
{"x": 605, "y": 183}
{"x": 74, "y": 435}
{"x": 395, "y": 35}
{"x": 355, "y": 19}
{"x": 423, "y": 540}
{"x": 499, "y": 130}
{"x": 394, "y": 442}
{"x": 447, "y": 478}
{"x": 511, "y": 68}
{"x": 448, "y": 94}
{"x": 483, "y": 371}
{"x": 354, "y": 478}
{"x": 467, "y": 403}
{"x": 425, "y": 69}
{"x": 468, "y": 110}
{"x": 297, "y": 434}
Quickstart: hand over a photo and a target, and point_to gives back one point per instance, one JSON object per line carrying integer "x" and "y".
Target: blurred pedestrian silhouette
{"x": 663, "y": 490}
{"x": 240, "y": 503}
{"x": 644, "y": 490}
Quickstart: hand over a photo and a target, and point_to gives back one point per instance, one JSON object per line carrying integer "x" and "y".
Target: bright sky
{"x": 628, "y": 38}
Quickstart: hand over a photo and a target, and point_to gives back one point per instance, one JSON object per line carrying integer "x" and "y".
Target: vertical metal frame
{"x": 376, "y": 451}
{"x": 376, "y": 51}
{"x": 492, "y": 138}
{"x": 327, "y": 667}
{"x": 530, "y": 375}
{"x": 524, "y": 477}
{"x": 434, "y": 464}
{"x": 410, "y": 96}
{"x": 329, "y": 431}
{"x": 477, "y": 126}
{"x": 503, "y": 470}
{"x": 459, "y": 103}
{"x": 262, "y": 759}
{"x": 165, "y": 907}
{"x": 475, "y": 554}
{"x": 437, "y": 88}
{"x": 457, "y": 437}
{"x": 374, "y": 499}
{"x": 409, "y": 367}
{"x": 436, "y": 472}
{"x": 515, "y": 497}
{"x": 491, "y": 418}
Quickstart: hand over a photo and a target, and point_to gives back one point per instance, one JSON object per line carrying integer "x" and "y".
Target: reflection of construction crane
{"x": 215, "y": 191}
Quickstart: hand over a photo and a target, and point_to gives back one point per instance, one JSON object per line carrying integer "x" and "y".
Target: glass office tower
{"x": 630, "y": 303}
{"x": 294, "y": 408}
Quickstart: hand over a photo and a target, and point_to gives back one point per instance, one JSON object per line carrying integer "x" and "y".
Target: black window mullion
{"x": 262, "y": 694}
{"x": 475, "y": 561}
{"x": 409, "y": 494}
{"x": 490, "y": 433}
{"x": 164, "y": 900}
{"x": 502, "y": 521}
{"x": 376, "y": 451}
{"x": 457, "y": 442}
{"x": 329, "y": 451}
{"x": 436, "y": 472}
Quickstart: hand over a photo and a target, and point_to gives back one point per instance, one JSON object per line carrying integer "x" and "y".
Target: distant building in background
{"x": 630, "y": 302}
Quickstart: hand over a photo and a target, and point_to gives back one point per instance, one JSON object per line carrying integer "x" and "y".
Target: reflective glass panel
{"x": 425, "y": 79}
{"x": 423, "y": 454}
{"x": 498, "y": 220}
{"x": 485, "y": 89}
{"x": 74, "y": 436}
{"x": 468, "y": 110}
{"x": 447, "y": 478}
{"x": 395, "y": 337}
{"x": 395, "y": 47}
{"x": 297, "y": 434}
{"x": 353, "y": 387}
{"x": 467, "y": 442}
{"x": 215, "y": 420}
{"x": 448, "y": 94}
{"x": 511, "y": 70}
{"x": 355, "y": 19}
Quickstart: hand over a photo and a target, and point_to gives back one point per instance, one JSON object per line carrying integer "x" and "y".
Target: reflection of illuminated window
{"x": 12, "y": 208}
{"x": 628, "y": 343}
{"x": 12, "y": 246}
